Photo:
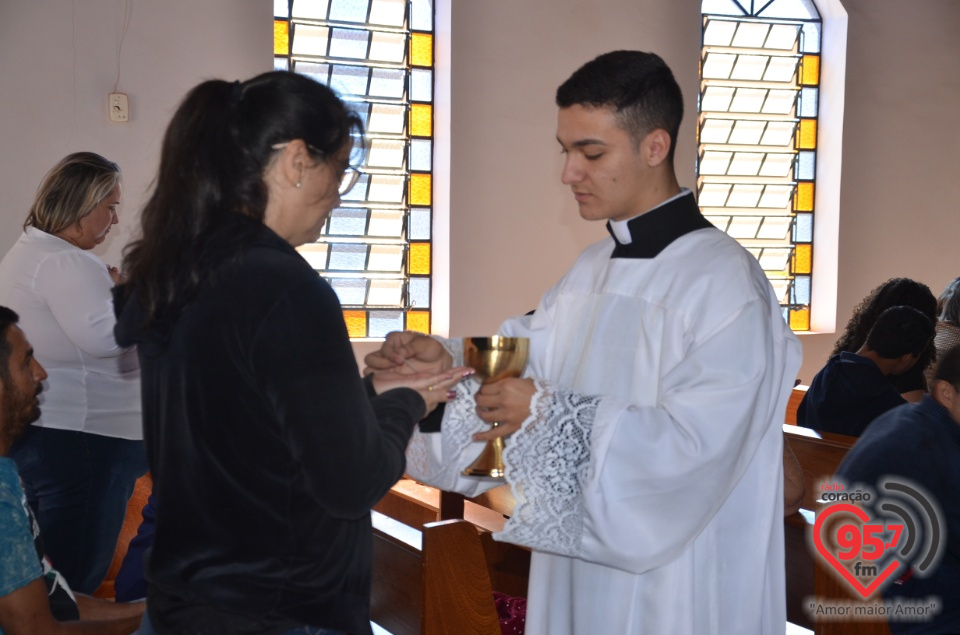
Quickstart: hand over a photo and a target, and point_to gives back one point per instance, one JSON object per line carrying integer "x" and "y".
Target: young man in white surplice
{"x": 645, "y": 442}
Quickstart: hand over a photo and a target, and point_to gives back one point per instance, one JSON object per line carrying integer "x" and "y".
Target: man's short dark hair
{"x": 898, "y": 331}
{"x": 638, "y": 86}
{"x": 7, "y": 319}
{"x": 948, "y": 368}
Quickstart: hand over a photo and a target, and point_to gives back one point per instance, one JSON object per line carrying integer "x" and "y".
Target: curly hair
{"x": 893, "y": 292}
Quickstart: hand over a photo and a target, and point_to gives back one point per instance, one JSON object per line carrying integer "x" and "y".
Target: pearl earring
{"x": 298, "y": 185}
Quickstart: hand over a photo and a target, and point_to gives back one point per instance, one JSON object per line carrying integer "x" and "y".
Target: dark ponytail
{"x": 214, "y": 156}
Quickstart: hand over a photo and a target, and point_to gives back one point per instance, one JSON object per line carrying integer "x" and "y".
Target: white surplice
{"x": 649, "y": 476}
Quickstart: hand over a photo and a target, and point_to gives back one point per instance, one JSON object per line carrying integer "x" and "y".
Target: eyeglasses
{"x": 350, "y": 174}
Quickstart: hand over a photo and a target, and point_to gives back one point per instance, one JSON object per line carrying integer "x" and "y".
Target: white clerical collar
{"x": 619, "y": 227}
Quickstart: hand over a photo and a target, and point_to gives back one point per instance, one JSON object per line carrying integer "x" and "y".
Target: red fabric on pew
{"x": 512, "y": 612}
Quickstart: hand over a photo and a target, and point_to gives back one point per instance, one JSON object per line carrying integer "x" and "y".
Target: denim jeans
{"x": 147, "y": 629}
{"x": 78, "y": 485}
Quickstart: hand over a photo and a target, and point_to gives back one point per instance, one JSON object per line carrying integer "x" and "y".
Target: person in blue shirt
{"x": 34, "y": 598}
{"x": 921, "y": 443}
{"x": 853, "y": 389}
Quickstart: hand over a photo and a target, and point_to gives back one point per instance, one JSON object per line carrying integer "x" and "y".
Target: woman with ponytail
{"x": 266, "y": 448}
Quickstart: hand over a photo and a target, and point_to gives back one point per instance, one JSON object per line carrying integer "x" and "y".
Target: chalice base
{"x": 490, "y": 462}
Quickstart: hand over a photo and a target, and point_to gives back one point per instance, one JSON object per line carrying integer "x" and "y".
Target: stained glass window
{"x": 757, "y": 132}
{"x": 375, "y": 250}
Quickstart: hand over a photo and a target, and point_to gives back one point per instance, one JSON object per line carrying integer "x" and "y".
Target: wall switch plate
{"x": 119, "y": 107}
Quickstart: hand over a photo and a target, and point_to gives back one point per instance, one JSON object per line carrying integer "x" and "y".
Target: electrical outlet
{"x": 119, "y": 107}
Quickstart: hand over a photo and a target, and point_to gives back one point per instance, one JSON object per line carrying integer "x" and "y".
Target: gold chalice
{"x": 494, "y": 358}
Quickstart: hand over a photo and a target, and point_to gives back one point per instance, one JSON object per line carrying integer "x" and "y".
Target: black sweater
{"x": 265, "y": 450}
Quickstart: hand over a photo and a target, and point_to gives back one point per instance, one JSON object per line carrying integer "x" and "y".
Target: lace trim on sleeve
{"x": 547, "y": 463}
{"x": 460, "y": 422}
{"x": 453, "y": 346}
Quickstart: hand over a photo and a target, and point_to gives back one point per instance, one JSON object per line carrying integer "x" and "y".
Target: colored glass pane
{"x": 419, "y": 259}
{"x": 804, "y": 197}
{"x": 385, "y": 258}
{"x": 806, "y": 165}
{"x": 420, "y": 189}
{"x": 418, "y": 321}
{"x": 774, "y": 259}
{"x": 387, "y": 292}
{"x": 421, "y": 49}
{"x": 387, "y": 82}
{"x": 419, "y": 223}
{"x": 801, "y": 290}
{"x": 800, "y": 319}
{"x": 281, "y": 37}
{"x": 310, "y": 40}
{"x": 421, "y": 15}
{"x": 348, "y": 257}
{"x": 312, "y": 9}
{"x": 386, "y": 188}
{"x": 348, "y": 221}
{"x": 421, "y": 154}
{"x": 346, "y": 80}
{"x": 420, "y": 292}
{"x": 349, "y": 10}
{"x": 808, "y": 101}
{"x": 803, "y": 259}
{"x": 421, "y": 84}
{"x": 349, "y": 43}
{"x": 350, "y": 291}
{"x": 803, "y": 228}
{"x": 356, "y": 322}
{"x": 382, "y": 322}
{"x": 808, "y": 134}
{"x": 811, "y": 70}
{"x": 386, "y": 222}
{"x": 364, "y": 251}
{"x": 810, "y": 42}
{"x": 387, "y": 47}
{"x": 421, "y": 120}
{"x": 388, "y": 12}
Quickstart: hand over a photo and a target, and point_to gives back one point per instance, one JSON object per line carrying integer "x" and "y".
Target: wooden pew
{"x": 819, "y": 454}
{"x": 437, "y": 580}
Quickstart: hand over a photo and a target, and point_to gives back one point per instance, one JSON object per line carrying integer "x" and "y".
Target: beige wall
{"x": 514, "y": 228}
{"x": 58, "y": 63}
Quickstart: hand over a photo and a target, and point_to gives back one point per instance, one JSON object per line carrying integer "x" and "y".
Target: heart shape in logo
{"x": 865, "y": 591}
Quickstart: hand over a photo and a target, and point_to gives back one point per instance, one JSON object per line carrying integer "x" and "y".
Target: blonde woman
{"x": 80, "y": 461}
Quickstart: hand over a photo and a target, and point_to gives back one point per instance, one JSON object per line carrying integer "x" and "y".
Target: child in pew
{"x": 853, "y": 388}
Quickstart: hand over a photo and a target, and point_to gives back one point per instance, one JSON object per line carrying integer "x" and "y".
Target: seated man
{"x": 853, "y": 389}
{"x": 921, "y": 443}
{"x": 34, "y": 598}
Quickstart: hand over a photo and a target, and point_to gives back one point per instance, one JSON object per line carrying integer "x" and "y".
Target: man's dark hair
{"x": 7, "y": 319}
{"x": 638, "y": 86}
{"x": 898, "y": 331}
{"x": 948, "y": 368}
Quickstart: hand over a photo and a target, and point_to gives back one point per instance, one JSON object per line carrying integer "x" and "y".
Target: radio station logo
{"x": 870, "y": 539}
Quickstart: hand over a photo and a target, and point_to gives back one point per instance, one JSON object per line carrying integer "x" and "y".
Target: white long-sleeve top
{"x": 63, "y": 297}
{"x": 649, "y": 475}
